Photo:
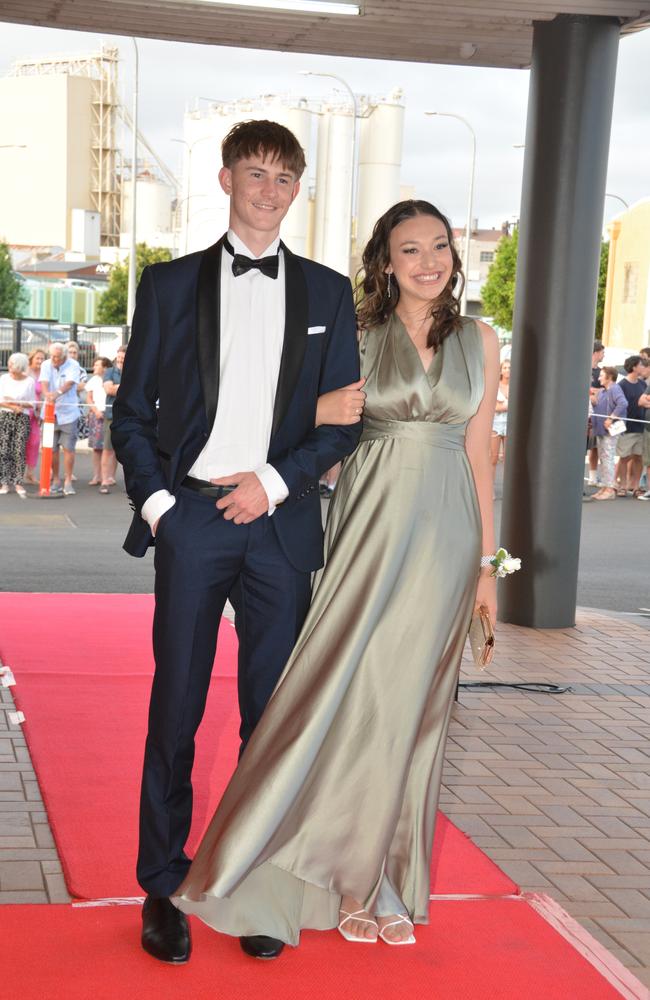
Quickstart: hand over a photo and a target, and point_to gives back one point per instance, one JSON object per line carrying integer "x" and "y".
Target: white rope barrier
{"x": 603, "y": 416}
{"x": 608, "y": 416}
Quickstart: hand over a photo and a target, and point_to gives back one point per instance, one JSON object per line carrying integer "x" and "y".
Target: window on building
{"x": 487, "y": 256}
{"x": 630, "y": 282}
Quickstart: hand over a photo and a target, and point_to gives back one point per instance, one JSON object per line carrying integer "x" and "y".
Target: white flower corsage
{"x": 502, "y": 563}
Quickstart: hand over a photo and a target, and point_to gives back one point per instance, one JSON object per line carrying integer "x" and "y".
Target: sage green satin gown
{"x": 337, "y": 790}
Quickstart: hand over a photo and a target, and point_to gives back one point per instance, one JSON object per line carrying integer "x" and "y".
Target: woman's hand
{"x": 342, "y": 406}
{"x": 486, "y": 592}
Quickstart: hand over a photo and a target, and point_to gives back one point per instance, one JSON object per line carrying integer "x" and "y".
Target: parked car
{"x": 38, "y": 334}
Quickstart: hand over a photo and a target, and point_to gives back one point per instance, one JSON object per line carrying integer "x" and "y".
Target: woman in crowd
{"x": 36, "y": 359}
{"x": 96, "y": 401}
{"x": 72, "y": 350}
{"x": 500, "y": 421}
{"x": 329, "y": 818}
{"x": 609, "y": 405}
{"x": 17, "y": 397}
{"x": 629, "y": 445}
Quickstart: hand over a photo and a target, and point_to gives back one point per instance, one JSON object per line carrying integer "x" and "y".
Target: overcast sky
{"x": 436, "y": 150}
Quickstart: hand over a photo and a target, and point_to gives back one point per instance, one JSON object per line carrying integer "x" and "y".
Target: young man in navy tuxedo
{"x": 214, "y": 425}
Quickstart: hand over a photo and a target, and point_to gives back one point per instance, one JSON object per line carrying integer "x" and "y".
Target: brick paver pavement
{"x": 554, "y": 788}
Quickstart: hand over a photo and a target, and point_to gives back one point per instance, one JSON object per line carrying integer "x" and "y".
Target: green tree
{"x": 498, "y": 293}
{"x": 112, "y": 305}
{"x": 602, "y": 285}
{"x": 12, "y": 295}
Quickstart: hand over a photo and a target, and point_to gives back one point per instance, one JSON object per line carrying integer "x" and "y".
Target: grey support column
{"x": 567, "y": 145}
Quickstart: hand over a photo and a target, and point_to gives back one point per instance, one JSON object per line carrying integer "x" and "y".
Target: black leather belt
{"x": 206, "y": 488}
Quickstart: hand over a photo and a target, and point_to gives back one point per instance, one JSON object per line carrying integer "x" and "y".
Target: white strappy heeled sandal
{"x": 364, "y": 920}
{"x": 401, "y": 919}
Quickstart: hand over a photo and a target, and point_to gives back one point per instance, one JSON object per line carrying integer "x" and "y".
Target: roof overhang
{"x": 474, "y": 32}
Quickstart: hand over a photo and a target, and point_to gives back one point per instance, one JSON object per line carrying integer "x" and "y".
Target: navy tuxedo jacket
{"x": 168, "y": 396}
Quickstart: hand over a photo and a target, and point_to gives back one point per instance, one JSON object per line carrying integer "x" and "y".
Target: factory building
{"x": 64, "y": 129}
{"x": 58, "y": 123}
{"x": 61, "y": 122}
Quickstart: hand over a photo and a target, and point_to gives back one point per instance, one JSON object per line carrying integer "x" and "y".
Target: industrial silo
{"x": 332, "y": 218}
{"x": 203, "y": 207}
{"x": 153, "y": 208}
{"x": 298, "y": 118}
{"x": 380, "y": 158}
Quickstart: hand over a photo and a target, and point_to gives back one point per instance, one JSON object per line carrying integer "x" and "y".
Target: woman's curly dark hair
{"x": 374, "y": 305}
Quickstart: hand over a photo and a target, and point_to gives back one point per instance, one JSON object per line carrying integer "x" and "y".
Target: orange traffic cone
{"x": 46, "y": 454}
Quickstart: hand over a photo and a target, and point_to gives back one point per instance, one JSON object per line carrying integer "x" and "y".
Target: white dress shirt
{"x": 252, "y": 313}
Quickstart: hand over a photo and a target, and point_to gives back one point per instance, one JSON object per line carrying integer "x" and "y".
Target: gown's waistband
{"x": 438, "y": 435}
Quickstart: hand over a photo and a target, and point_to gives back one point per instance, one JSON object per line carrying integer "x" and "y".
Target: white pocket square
{"x": 315, "y": 329}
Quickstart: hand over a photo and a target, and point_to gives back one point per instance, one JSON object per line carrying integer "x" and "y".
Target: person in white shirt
{"x": 215, "y": 426}
{"x": 60, "y": 377}
{"x": 96, "y": 400}
{"x": 17, "y": 397}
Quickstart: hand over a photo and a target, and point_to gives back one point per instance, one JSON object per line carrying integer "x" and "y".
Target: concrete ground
{"x": 555, "y": 788}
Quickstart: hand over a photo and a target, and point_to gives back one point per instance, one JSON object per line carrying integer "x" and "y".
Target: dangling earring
{"x": 390, "y": 275}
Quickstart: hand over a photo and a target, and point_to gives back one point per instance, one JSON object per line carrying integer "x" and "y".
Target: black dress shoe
{"x": 165, "y": 931}
{"x": 260, "y": 946}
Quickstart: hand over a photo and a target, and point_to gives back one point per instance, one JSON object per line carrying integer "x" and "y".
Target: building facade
{"x": 626, "y": 321}
{"x": 482, "y": 249}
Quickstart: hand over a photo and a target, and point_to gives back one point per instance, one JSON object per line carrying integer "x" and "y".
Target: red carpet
{"x": 83, "y": 671}
{"x": 497, "y": 949}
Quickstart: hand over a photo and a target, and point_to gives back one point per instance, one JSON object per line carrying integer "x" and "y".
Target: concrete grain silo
{"x": 380, "y": 159}
{"x": 332, "y": 219}
{"x": 154, "y": 199}
{"x": 295, "y": 228}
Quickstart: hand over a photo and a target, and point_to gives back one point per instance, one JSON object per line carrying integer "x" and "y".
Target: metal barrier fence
{"x": 26, "y": 335}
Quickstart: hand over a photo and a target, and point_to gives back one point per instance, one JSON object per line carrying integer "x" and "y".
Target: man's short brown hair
{"x": 265, "y": 139}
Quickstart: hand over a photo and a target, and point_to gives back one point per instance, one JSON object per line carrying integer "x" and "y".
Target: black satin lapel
{"x": 208, "y": 332}
{"x": 295, "y": 335}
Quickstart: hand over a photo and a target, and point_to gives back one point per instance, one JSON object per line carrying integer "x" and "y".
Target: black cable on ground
{"x": 538, "y": 688}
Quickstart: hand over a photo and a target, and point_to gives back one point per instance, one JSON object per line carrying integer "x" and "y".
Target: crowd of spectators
{"x": 82, "y": 408}
{"x": 619, "y": 427}
{"x": 618, "y": 442}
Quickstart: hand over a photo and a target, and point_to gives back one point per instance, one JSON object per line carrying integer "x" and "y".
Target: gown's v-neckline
{"x": 427, "y": 372}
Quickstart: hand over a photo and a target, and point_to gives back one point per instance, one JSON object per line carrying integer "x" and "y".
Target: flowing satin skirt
{"x": 338, "y": 788}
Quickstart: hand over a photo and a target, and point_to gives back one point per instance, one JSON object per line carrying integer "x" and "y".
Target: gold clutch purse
{"x": 481, "y": 637}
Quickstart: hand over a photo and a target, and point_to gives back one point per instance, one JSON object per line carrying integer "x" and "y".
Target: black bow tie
{"x": 241, "y": 263}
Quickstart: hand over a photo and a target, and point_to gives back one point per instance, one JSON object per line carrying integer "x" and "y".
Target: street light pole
{"x": 130, "y": 299}
{"x": 618, "y": 198}
{"x": 190, "y": 146}
{"x": 470, "y": 200}
{"x": 355, "y": 145}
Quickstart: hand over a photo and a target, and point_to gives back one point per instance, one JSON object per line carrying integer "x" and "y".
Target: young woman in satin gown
{"x": 329, "y": 818}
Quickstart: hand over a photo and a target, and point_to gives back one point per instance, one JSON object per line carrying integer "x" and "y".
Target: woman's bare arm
{"x": 477, "y": 445}
{"x": 342, "y": 406}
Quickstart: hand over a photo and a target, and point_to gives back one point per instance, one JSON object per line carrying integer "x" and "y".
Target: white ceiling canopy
{"x": 476, "y": 32}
